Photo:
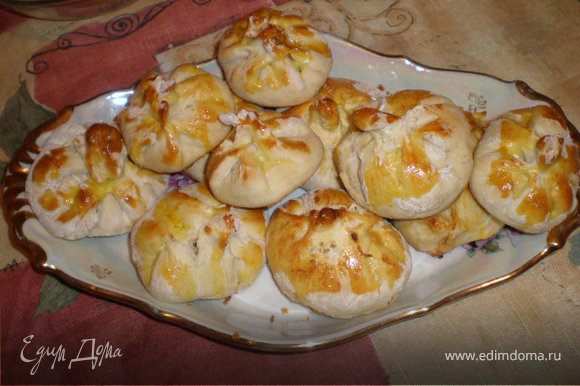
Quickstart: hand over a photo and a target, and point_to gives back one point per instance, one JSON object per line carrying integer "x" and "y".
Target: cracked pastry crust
{"x": 329, "y": 115}
{"x": 264, "y": 158}
{"x": 410, "y": 161}
{"x": 526, "y": 169}
{"x": 273, "y": 59}
{"x": 328, "y": 253}
{"x": 173, "y": 118}
{"x": 190, "y": 246}
{"x": 82, "y": 184}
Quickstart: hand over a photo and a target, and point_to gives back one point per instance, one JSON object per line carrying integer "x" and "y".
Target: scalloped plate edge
{"x": 13, "y": 186}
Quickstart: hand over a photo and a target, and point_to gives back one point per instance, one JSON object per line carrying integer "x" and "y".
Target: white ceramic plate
{"x": 261, "y": 317}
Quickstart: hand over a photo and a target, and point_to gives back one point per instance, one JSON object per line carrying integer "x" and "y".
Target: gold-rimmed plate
{"x": 261, "y": 317}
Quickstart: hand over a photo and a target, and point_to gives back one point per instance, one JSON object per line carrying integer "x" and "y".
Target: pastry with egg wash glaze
{"x": 190, "y": 246}
{"x": 330, "y": 254}
{"x": 273, "y": 59}
{"x": 526, "y": 169}
{"x": 197, "y": 170}
{"x": 83, "y": 184}
{"x": 411, "y": 161}
{"x": 264, "y": 158}
{"x": 173, "y": 118}
{"x": 328, "y": 114}
{"x": 463, "y": 222}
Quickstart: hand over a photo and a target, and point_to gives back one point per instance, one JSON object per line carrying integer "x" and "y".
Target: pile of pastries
{"x": 443, "y": 176}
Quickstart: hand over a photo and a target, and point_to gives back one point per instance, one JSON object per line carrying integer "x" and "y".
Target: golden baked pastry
{"x": 335, "y": 257}
{"x": 411, "y": 161}
{"x": 190, "y": 246}
{"x": 263, "y": 159}
{"x": 242, "y": 104}
{"x": 526, "y": 169}
{"x": 464, "y": 221}
{"x": 173, "y": 118}
{"x": 197, "y": 169}
{"x": 274, "y": 59}
{"x": 82, "y": 183}
{"x": 328, "y": 114}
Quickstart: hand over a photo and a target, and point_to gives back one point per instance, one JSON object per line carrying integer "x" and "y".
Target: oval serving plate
{"x": 261, "y": 317}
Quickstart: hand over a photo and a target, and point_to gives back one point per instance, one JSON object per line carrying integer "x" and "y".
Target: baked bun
{"x": 197, "y": 169}
{"x": 335, "y": 257}
{"x": 173, "y": 118}
{"x": 463, "y": 222}
{"x": 82, "y": 183}
{"x": 328, "y": 114}
{"x": 263, "y": 159}
{"x": 274, "y": 59}
{"x": 412, "y": 161}
{"x": 190, "y": 246}
{"x": 526, "y": 169}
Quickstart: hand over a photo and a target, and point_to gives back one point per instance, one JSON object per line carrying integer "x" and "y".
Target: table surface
{"x": 534, "y": 41}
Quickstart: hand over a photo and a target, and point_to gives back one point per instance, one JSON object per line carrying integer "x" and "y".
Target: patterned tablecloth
{"x": 46, "y": 65}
